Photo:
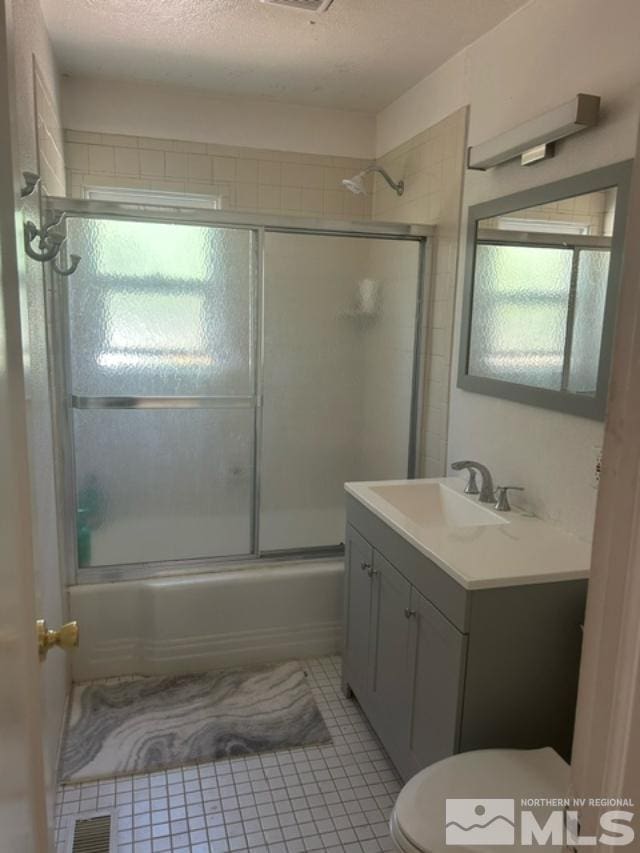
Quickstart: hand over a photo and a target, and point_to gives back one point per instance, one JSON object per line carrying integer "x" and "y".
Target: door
{"x": 22, "y": 791}
{"x": 358, "y": 561}
{"x": 389, "y": 665}
{"x": 160, "y": 323}
{"x": 339, "y": 336}
{"x": 438, "y": 654}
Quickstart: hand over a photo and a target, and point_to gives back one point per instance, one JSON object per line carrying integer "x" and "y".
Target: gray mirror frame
{"x": 617, "y": 175}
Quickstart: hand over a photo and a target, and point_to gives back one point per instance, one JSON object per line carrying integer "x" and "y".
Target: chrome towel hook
{"x": 49, "y": 244}
{"x": 31, "y": 181}
{"x": 75, "y": 260}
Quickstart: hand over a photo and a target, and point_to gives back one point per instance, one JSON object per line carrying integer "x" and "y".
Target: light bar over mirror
{"x": 534, "y": 140}
{"x": 541, "y": 285}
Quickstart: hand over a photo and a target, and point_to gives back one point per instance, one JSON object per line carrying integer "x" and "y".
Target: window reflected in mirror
{"x": 539, "y": 293}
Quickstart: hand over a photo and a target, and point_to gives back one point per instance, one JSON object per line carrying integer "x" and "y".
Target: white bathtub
{"x": 208, "y": 621}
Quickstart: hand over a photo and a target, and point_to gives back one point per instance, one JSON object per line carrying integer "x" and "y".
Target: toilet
{"x": 420, "y": 816}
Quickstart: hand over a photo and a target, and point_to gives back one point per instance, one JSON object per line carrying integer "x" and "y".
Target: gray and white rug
{"x": 140, "y": 725}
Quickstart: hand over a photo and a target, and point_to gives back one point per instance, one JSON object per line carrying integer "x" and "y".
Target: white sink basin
{"x": 436, "y": 505}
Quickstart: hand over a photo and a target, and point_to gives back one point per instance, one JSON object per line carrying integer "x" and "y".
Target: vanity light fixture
{"x": 534, "y": 140}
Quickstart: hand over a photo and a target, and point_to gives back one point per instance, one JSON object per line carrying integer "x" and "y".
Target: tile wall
{"x": 432, "y": 166}
{"x": 253, "y": 179}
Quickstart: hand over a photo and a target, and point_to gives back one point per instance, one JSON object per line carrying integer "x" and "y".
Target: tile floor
{"x": 328, "y": 798}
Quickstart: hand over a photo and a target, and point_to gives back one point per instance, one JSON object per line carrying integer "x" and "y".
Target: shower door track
{"x": 63, "y": 402}
{"x": 232, "y": 219}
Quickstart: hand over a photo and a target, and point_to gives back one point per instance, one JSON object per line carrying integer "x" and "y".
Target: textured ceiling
{"x": 360, "y": 54}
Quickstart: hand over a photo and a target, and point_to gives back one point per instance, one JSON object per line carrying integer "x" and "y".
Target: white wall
{"x": 40, "y": 150}
{"x": 541, "y": 56}
{"x": 141, "y": 109}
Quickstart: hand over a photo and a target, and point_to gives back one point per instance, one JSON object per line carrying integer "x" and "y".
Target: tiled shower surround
{"x": 296, "y": 184}
{"x": 334, "y": 798}
{"x": 248, "y": 179}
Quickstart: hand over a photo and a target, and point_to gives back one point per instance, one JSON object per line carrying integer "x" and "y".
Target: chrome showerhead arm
{"x": 355, "y": 184}
{"x": 398, "y": 187}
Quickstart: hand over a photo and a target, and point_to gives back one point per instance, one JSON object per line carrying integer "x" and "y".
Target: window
{"x": 161, "y": 197}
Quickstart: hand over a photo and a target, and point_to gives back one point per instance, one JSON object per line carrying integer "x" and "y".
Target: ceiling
{"x": 359, "y": 55}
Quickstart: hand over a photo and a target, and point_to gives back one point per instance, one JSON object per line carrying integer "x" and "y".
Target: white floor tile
{"x": 334, "y": 798}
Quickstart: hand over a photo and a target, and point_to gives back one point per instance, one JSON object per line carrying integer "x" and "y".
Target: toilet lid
{"x": 420, "y": 813}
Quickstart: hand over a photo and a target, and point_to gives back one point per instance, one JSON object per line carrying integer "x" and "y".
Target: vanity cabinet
{"x": 438, "y": 668}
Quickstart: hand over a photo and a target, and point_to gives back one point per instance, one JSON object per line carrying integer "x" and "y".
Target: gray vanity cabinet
{"x": 440, "y": 669}
{"x": 359, "y": 562}
{"x": 437, "y": 651}
{"x": 389, "y": 664}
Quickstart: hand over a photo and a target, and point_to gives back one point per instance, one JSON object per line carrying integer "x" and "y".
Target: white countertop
{"x": 520, "y": 550}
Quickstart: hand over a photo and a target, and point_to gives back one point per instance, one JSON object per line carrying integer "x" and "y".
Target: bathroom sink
{"x": 435, "y": 505}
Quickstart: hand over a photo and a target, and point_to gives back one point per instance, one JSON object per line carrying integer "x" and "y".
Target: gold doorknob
{"x": 66, "y": 638}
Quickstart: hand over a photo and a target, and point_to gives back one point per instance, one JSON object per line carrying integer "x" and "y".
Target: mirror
{"x": 540, "y": 293}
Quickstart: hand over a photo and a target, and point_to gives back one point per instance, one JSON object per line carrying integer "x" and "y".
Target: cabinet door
{"x": 359, "y": 569}
{"x": 389, "y": 663}
{"x": 438, "y": 656}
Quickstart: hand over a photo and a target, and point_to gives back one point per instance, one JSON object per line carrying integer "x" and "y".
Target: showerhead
{"x": 356, "y": 184}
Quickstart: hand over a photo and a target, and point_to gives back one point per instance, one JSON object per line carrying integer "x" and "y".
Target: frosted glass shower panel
{"x": 339, "y": 317}
{"x": 160, "y": 309}
{"x": 162, "y": 485}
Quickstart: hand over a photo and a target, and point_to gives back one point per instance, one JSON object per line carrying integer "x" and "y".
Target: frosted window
{"x": 160, "y": 310}
{"x": 591, "y": 294}
{"x": 161, "y": 485}
{"x": 520, "y": 305}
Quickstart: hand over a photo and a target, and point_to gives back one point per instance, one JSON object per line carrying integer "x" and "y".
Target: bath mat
{"x": 140, "y": 725}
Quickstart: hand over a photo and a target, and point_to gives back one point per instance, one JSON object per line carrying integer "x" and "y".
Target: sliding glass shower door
{"x": 219, "y": 383}
{"x": 339, "y": 350}
{"x": 161, "y": 357}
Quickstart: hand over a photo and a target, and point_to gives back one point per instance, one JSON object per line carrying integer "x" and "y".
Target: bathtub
{"x": 208, "y": 621}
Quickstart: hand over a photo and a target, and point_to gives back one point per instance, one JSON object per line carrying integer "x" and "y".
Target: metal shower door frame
{"x": 62, "y": 402}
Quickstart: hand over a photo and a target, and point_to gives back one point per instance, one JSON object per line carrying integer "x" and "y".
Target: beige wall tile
{"x": 120, "y": 140}
{"x": 247, "y": 170}
{"x": 313, "y": 177}
{"x": 155, "y": 144}
{"x": 246, "y": 196}
{"x": 175, "y": 165}
{"x": 127, "y": 161}
{"x": 292, "y": 174}
{"x": 269, "y": 197}
{"x": 83, "y": 136}
{"x": 291, "y": 198}
{"x": 101, "y": 159}
{"x": 269, "y": 172}
{"x": 311, "y": 200}
{"x": 224, "y": 168}
{"x": 199, "y": 167}
{"x": 78, "y": 156}
{"x": 333, "y": 202}
{"x": 152, "y": 162}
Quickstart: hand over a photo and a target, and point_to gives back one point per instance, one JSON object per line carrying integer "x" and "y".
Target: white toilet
{"x": 419, "y": 819}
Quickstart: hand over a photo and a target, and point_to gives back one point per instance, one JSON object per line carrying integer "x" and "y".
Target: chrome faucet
{"x": 487, "y": 494}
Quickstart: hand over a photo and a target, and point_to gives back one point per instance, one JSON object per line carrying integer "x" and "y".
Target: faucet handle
{"x": 502, "y": 500}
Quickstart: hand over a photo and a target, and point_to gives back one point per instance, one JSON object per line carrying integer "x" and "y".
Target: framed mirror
{"x": 540, "y": 292}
